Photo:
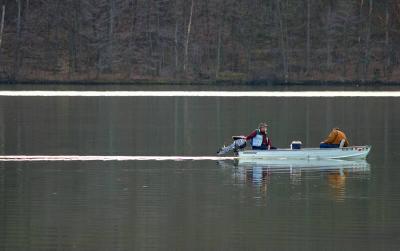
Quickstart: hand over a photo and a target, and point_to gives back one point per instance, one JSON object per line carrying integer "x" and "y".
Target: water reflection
{"x": 337, "y": 183}
{"x": 334, "y": 173}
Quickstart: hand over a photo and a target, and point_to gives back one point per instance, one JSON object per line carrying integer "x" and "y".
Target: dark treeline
{"x": 200, "y": 39}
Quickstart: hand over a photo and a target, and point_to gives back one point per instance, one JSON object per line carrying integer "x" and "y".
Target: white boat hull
{"x": 353, "y": 152}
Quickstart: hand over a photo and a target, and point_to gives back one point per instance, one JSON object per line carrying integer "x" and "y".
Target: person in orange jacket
{"x": 334, "y": 139}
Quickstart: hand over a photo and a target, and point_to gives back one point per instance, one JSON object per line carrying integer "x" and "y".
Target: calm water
{"x": 195, "y": 204}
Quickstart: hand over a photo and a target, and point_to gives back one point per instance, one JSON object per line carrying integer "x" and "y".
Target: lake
{"x": 202, "y": 203}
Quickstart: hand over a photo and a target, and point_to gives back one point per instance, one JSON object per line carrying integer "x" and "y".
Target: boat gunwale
{"x": 352, "y": 152}
{"x": 309, "y": 148}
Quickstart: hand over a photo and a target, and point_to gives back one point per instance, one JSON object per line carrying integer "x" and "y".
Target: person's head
{"x": 263, "y": 127}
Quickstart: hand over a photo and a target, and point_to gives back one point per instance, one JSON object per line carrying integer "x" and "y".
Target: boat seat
{"x": 342, "y": 143}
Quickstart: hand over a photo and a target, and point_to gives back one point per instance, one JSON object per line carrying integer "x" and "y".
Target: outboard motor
{"x": 235, "y": 146}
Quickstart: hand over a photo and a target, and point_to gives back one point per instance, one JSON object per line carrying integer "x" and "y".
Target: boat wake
{"x": 30, "y": 158}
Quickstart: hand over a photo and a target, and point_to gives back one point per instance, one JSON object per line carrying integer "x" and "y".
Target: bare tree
{"x": 387, "y": 39}
{"x": 189, "y": 27}
{"x": 283, "y": 39}
{"x": 367, "y": 42}
{"x": 73, "y": 36}
{"x": 308, "y": 42}
{"x": 18, "y": 40}
{"x": 328, "y": 36}
{"x": 125, "y": 39}
{"x": 111, "y": 24}
{"x": 220, "y": 27}
{"x": 3, "y": 13}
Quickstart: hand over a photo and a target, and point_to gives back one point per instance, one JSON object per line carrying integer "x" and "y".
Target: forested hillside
{"x": 200, "y": 39}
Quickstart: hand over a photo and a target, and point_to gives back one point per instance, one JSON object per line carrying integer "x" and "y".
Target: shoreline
{"x": 265, "y": 82}
{"x": 147, "y": 84}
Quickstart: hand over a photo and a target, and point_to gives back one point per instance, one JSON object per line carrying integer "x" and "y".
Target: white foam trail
{"x": 30, "y": 158}
{"x": 327, "y": 94}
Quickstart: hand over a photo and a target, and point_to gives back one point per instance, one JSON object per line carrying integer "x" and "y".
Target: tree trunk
{"x": 345, "y": 52}
{"x": 132, "y": 28}
{"x": 74, "y": 34}
{"x": 57, "y": 46}
{"x": 159, "y": 44}
{"x": 283, "y": 41}
{"x": 149, "y": 61}
{"x": 248, "y": 59}
{"x": 219, "y": 44}
{"x": 387, "y": 39}
{"x": 219, "y": 40}
{"x": 367, "y": 42}
{"x": 359, "y": 40}
{"x": 3, "y": 12}
{"x": 176, "y": 46}
{"x": 328, "y": 38}
{"x": 286, "y": 35}
{"x": 185, "y": 61}
{"x": 110, "y": 56}
{"x": 308, "y": 42}
{"x": 208, "y": 43}
{"x": 18, "y": 40}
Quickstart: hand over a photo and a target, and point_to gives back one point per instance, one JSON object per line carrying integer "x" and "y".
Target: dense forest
{"x": 114, "y": 40}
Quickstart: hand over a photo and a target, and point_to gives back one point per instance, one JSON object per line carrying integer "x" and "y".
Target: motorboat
{"x": 351, "y": 152}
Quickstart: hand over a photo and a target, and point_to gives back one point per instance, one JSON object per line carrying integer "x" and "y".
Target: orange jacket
{"x": 335, "y": 137}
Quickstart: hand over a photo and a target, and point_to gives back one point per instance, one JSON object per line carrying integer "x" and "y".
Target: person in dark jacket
{"x": 258, "y": 138}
